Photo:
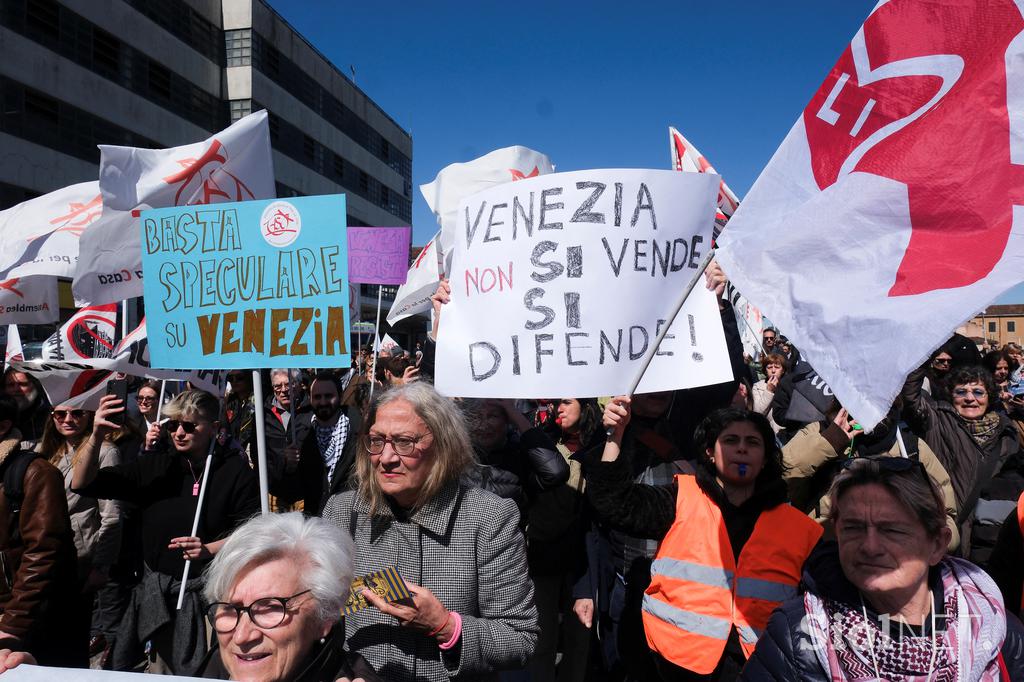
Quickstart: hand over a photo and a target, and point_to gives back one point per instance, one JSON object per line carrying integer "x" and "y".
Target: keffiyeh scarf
{"x": 966, "y": 649}
{"x": 331, "y": 441}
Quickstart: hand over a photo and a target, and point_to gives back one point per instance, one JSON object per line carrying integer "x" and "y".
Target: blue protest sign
{"x": 248, "y": 284}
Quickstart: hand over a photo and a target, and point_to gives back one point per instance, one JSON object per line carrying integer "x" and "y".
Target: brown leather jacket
{"x": 38, "y": 581}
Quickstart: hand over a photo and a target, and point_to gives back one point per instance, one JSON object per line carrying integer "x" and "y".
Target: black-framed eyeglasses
{"x": 173, "y": 424}
{"x": 404, "y": 446}
{"x": 145, "y": 398}
{"x": 61, "y": 415}
{"x": 941, "y": 361}
{"x": 886, "y": 463}
{"x": 266, "y": 613}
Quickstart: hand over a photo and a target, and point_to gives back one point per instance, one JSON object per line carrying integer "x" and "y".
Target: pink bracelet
{"x": 456, "y": 633}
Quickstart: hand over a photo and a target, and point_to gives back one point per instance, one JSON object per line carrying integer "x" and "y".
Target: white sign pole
{"x": 195, "y": 521}
{"x": 669, "y": 320}
{"x": 160, "y": 403}
{"x": 376, "y": 335}
{"x": 261, "y": 442}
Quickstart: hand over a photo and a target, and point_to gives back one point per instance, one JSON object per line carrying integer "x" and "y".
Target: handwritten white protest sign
{"x": 560, "y": 283}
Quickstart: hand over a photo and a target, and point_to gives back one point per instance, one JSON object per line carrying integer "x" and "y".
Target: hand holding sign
{"x": 561, "y": 283}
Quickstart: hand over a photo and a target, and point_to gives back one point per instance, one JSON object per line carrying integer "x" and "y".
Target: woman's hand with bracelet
{"x": 426, "y": 614}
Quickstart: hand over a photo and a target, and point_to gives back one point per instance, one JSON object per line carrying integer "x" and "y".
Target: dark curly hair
{"x": 711, "y": 428}
{"x": 974, "y": 374}
{"x": 992, "y": 359}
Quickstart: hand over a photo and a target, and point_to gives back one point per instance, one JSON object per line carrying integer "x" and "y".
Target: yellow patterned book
{"x": 387, "y": 583}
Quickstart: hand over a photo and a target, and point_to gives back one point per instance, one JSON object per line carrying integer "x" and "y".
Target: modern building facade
{"x": 162, "y": 73}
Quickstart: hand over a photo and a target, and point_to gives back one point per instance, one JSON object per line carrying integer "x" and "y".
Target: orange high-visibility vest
{"x": 1020, "y": 521}
{"x": 698, "y": 593}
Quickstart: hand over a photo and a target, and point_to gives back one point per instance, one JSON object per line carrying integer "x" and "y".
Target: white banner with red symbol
{"x": 72, "y": 377}
{"x": 685, "y": 157}
{"x": 420, "y": 284}
{"x": 40, "y": 236}
{"x": 458, "y": 181}
{"x": 29, "y": 300}
{"x": 14, "y": 351}
{"x": 895, "y": 206}
{"x": 233, "y": 165}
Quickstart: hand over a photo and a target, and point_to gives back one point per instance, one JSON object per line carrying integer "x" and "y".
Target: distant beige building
{"x": 996, "y": 325}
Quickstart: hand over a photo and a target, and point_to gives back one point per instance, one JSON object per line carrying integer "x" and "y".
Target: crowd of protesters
{"x": 746, "y": 530}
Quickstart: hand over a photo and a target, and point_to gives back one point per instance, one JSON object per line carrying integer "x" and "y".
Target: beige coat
{"x": 96, "y": 523}
{"x": 809, "y": 450}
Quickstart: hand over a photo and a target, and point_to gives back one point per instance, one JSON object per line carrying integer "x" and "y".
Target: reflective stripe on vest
{"x": 769, "y": 590}
{"x": 708, "y": 626}
{"x": 695, "y": 573}
{"x": 698, "y": 590}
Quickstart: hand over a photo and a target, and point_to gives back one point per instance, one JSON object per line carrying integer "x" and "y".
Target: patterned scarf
{"x": 331, "y": 441}
{"x": 983, "y": 430}
{"x": 966, "y": 649}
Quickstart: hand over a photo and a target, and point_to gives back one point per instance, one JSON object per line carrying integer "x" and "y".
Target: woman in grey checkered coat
{"x": 458, "y": 548}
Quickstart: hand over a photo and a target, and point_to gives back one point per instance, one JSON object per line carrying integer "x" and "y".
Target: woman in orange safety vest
{"x": 731, "y": 548}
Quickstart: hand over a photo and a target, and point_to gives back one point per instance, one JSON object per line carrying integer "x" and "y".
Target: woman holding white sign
{"x": 730, "y": 550}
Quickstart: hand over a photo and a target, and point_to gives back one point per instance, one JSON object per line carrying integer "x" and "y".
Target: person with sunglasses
{"x": 977, "y": 445}
{"x": 97, "y": 523}
{"x": 458, "y": 548}
{"x": 885, "y": 602}
{"x": 275, "y": 593}
{"x": 165, "y": 486}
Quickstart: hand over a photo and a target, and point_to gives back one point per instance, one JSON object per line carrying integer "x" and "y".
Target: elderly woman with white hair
{"x": 275, "y": 593}
{"x": 458, "y": 548}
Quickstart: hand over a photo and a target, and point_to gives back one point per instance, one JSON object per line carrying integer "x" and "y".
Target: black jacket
{"x": 326, "y": 663}
{"x": 786, "y": 651}
{"x": 309, "y": 482}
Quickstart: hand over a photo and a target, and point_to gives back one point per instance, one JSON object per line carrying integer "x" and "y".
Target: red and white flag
{"x": 460, "y": 180}
{"x": 14, "y": 352}
{"x": 40, "y": 236}
{"x": 233, "y": 165}
{"x": 29, "y": 300}
{"x": 90, "y": 333}
{"x": 685, "y": 157}
{"x": 79, "y": 380}
{"x": 896, "y": 203}
{"x": 420, "y": 284}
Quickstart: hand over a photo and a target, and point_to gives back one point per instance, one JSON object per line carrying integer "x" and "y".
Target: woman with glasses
{"x": 96, "y": 524}
{"x": 165, "y": 486}
{"x": 730, "y": 548}
{"x": 458, "y": 548}
{"x": 977, "y": 445}
{"x": 275, "y": 594}
{"x": 884, "y": 602}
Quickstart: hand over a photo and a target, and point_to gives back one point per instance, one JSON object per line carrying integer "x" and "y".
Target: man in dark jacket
{"x": 319, "y": 466}
{"x": 33, "y": 407}
{"x": 287, "y": 420}
{"x": 38, "y": 581}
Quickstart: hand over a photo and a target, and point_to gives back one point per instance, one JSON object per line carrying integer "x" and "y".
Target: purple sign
{"x": 378, "y": 255}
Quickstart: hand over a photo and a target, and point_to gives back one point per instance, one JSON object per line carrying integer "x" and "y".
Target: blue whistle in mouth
{"x": 742, "y": 468}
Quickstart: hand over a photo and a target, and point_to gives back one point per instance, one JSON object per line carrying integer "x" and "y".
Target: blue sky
{"x": 591, "y": 84}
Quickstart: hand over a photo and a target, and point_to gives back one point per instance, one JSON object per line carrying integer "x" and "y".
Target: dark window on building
{"x": 186, "y": 24}
{"x": 364, "y": 181}
{"x": 1011, "y": 326}
{"x": 42, "y": 108}
{"x": 12, "y": 195}
{"x": 159, "y": 80}
{"x": 339, "y": 166}
{"x": 36, "y": 117}
{"x": 42, "y": 20}
{"x": 385, "y": 197}
{"x": 106, "y": 53}
{"x": 992, "y": 326}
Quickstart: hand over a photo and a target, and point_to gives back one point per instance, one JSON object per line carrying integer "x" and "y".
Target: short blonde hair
{"x": 188, "y": 404}
{"x": 451, "y": 451}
